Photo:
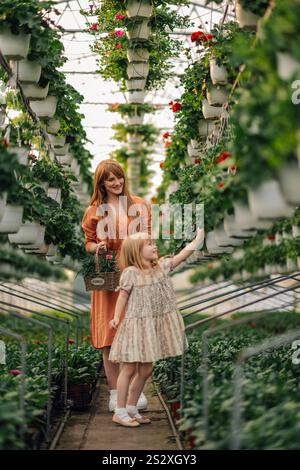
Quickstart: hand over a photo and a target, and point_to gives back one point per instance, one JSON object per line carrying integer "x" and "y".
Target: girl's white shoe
{"x": 122, "y": 418}
{"x": 141, "y": 404}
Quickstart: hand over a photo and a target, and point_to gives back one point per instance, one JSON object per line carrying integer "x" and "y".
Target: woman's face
{"x": 149, "y": 250}
{"x": 113, "y": 184}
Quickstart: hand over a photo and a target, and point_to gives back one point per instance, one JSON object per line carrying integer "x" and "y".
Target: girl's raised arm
{"x": 190, "y": 248}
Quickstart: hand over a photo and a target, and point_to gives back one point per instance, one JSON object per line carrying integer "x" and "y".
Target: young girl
{"x": 151, "y": 327}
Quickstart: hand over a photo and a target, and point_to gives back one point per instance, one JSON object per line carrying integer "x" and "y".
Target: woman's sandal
{"x": 133, "y": 423}
{"x": 141, "y": 420}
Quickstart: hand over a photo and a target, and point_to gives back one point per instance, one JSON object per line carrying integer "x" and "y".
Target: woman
{"x": 108, "y": 209}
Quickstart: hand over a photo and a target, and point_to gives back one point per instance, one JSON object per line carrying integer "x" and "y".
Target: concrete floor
{"x": 94, "y": 430}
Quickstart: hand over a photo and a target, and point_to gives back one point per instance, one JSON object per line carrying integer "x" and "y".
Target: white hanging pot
{"x": 140, "y": 8}
{"x": 65, "y": 159}
{"x": 267, "y": 201}
{"x": 134, "y": 138}
{"x": 232, "y": 229}
{"x": 52, "y": 250}
{"x": 212, "y": 246}
{"x": 141, "y": 30}
{"x": 27, "y": 71}
{"x": 246, "y": 275}
{"x": 135, "y": 120}
{"x": 53, "y": 126}
{"x": 35, "y": 92}
{"x": 287, "y": 66}
{"x": 217, "y": 96}
{"x": 75, "y": 168}
{"x": 12, "y": 219}
{"x": 62, "y": 150}
{"x": 7, "y": 269}
{"x": 138, "y": 55}
{"x": 222, "y": 238}
{"x": 135, "y": 96}
{"x": 29, "y": 232}
{"x": 39, "y": 249}
{"x": 136, "y": 84}
{"x": 55, "y": 193}
{"x": 44, "y": 185}
{"x": 245, "y": 219}
{"x": 245, "y": 18}
{"x": 192, "y": 152}
{"x": 211, "y": 112}
{"x": 289, "y": 180}
{"x": 22, "y": 154}
{"x": 44, "y": 108}
{"x": 205, "y": 127}
{"x": 218, "y": 73}
{"x": 3, "y": 199}
{"x": 291, "y": 265}
{"x": 57, "y": 141}
{"x": 138, "y": 69}
{"x": 295, "y": 231}
{"x": 14, "y": 46}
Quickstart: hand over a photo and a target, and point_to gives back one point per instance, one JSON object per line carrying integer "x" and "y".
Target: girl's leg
{"x": 125, "y": 376}
{"x": 137, "y": 384}
{"x": 111, "y": 369}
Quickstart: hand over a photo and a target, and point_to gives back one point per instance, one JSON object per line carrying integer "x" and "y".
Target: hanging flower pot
{"x": 75, "y": 168}
{"x": 136, "y": 84}
{"x": 138, "y": 55}
{"x": 136, "y": 119}
{"x": 27, "y": 71}
{"x": 39, "y": 249}
{"x": 218, "y": 73}
{"x": 222, "y": 238}
{"x": 295, "y": 231}
{"x": 65, "y": 159}
{"x": 205, "y": 127}
{"x": 211, "y": 112}
{"x": 62, "y": 150}
{"x": 57, "y": 141}
{"x": 217, "y": 96}
{"x": 287, "y": 67}
{"x": 53, "y": 126}
{"x": 14, "y": 46}
{"x": 192, "y": 151}
{"x": 135, "y": 96}
{"x": 44, "y": 108}
{"x": 12, "y": 219}
{"x": 44, "y": 185}
{"x": 22, "y": 154}
{"x": 289, "y": 181}
{"x": 30, "y": 232}
{"x": 140, "y": 8}
{"x": 245, "y": 18}
{"x": 291, "y": 265}
{"x": 267, "y": 201}
{"x": 232, "y": 229}
{"x": 141, "y": 30}
{"x": 3, "y": 199}
{"x": 213, "y": 247}
{"x": 55, "y": 193}
{"x": 134, "y": 138}
{"x": 35, "y": 92}
{"x": 245, "y": 220}
{"x": 138, "y": 69}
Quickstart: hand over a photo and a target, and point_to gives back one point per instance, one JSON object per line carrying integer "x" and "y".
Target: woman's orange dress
{"x": 103, "y": 302}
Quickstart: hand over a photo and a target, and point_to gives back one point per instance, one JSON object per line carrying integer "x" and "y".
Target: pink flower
{"x": 118, "y": 46}
{"x": 119, "y": 32}
{"x": 120, "y": 17}
{"x": 109, "y": 257}
{"x": 94, "y": 27}
{"x": 16, "y": 372}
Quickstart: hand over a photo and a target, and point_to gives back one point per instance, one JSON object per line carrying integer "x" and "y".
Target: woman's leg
{"x": 127, "y": 371}
{"x": 137, "y": 384}
{"x": 111, "y": 369}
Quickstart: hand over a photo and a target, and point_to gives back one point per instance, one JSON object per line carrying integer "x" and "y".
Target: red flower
{"x": 197, "y": 161}
{"x": 220, "y": 185}
{"x": 223, "y": 156}
{"x": 5, "y": 142}
{"x": 118, "y": 46}
{"x": 114, "y": 106}
{"x": 94, "y": 27}
{"x": 175, "y": 106}
{"x": 16, "y": 372}
{"x": 161, "y": 165}
{"x": 167, "y": 144}
{"x": 271, "y": 237}
{"x": 196, "y": 36}
{"x": 71, "y": 341}
{"x": 39, "y": 343}
{"x": 109, "y": 257}
{"x": 166, "y": 135}
{"x": 120, "y": 17}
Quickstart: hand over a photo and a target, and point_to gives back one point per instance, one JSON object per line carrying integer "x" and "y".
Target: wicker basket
{"x": 101, "y": 280}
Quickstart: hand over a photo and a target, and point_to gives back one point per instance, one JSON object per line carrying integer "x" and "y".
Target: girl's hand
{"x": 200, "y": 234}
{"x": 101, "y": 247}
{"x": 114, "y": 323}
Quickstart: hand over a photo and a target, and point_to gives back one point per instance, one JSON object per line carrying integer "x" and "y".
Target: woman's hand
{"x": 114, "y": 323}
{"x": 101, "y": 247}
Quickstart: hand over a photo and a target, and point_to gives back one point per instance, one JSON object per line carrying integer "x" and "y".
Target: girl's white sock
{"x": 123, "y": 414}
{"x": 113, "y": 392}
{"x": 133, "y": 410}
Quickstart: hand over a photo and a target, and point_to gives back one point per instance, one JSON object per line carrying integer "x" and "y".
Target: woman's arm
{"x": 89, "y": 226}
{"x": 120, "y": 305}
{"x": 189, "y": 249}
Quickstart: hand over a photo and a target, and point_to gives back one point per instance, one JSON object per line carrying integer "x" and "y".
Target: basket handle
{"x": 97, "y": 261}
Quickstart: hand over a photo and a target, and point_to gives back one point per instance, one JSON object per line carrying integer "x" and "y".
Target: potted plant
{"x": 44, "y": 108}
{"x": 138, "y": 70}
{"x": 35, "y": 92}
{"x": 135, "y": 96}
{"x": 139, "y": 30}
{"x": 27, "y": 71}
{"x": 267, "y": 202}
{"x": 136, "y": 84}
{"x": 138, "y": 54}
{"x": 248, "y": 12}
{"x": 211, "y": 112}
{"x": 139, "y": 8}
{"x": 29, "y": 233}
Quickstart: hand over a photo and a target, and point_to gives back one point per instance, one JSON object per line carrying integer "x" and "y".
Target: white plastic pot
{"x": 57, "y": 141}
{"x": 217, "y": 96}
{"x": 44, "y": 108}
{"x": 55, "y": 193}
{"x": 138, "y": 55}
{"x": 192, "y": 151}
{"x": 287, "y": 66}
{"x": 22, "y": 154}
{"x": 52, "y": 250}
{"x": 291, "y": 265}
{"x": 267, "y": 201}
{"x": 3, "y": 199}
{"x": 135, "y": 120}
{"x": 75, "y": 168}
{"x": 138, "y": 69}
{"x": 141, "y": 8}
{"x": 213, "y": 247}
{"x": 39, "y": 249}
{"x": 141, "y": 30}
{"x": 295, "y": 231}
{"x": 53, "y": 126}
{"x": 205, "y": 127}
{"x": 27, "y": 71}
{"x": 44, "y": 185}
{"x": 245, "y": 18}
{"x": 245, "y": 219}
{"x": 136, "y": 84}
{"x": 30, "y": 232}
{"x": 65, "y": 159}
{"x": 35, "y": 92}
{"x": 12, "y": 219}
{"x": 211, "y": 112}
{"x": 289, "y": 180}
{"x": 232, "y": 229}
{"x": 135, "y": 96}
{"x": 14, "y": 46}
{"x": 134, "y": 138}
{"x": 222, "y": 239}
{"x": 62, "y": 150}
{"x": 218, "y": 73}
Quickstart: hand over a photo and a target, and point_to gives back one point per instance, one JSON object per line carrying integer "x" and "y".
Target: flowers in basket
{"x": 100, "y": 272}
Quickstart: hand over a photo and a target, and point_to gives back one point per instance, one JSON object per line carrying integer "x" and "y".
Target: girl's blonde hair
{"x": 131, "y": 250}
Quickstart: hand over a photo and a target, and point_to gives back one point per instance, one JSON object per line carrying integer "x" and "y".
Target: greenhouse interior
{"x": 192, "y": 110}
